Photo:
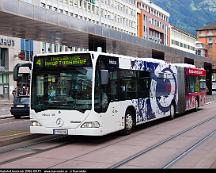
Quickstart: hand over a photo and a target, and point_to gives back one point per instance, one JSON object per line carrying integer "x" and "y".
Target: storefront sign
{"x": 7, "y": 42}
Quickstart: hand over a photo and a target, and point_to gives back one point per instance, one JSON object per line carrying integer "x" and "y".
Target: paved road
{"x": 4, "y": 110}
{"x": 97, "y": 153}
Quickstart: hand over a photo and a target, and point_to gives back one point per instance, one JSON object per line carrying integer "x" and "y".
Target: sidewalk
{"x": 211, "y": 98}
{"x": 6, "y": 116}
{"x": 5, "y": 106}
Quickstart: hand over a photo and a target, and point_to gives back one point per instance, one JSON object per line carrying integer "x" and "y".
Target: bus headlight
{"x": 35, "y": 123}
{"x": 92, "y": 124}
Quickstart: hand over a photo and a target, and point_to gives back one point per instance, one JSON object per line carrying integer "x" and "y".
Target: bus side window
{"x": 191, "y": 84}
{"x": 113, "y": 85}
{"x": 128, "y": 84}
{"x": 197, "y": 84}
{"x": 143, "y": 84}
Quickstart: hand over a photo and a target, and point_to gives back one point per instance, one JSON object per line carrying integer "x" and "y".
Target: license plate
{"x": 60, "y": 132}
{"x": 20, "y": 106}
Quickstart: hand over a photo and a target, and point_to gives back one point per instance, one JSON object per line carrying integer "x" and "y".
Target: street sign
{"x": 21, "y": 56}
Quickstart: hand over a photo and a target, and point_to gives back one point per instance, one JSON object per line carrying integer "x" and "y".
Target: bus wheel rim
{"x": 172, "y": 111}
{"x": 196, "y": 104}
{"x": 129, "y": 122}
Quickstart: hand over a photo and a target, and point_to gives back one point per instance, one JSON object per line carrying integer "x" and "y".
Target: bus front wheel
{"x": 128, "y": 123}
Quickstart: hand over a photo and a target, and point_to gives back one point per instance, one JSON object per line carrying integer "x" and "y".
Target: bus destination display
{"x": 66, "y": 60}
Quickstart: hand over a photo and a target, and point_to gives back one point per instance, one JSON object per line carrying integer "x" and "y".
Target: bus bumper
{"x": 59, "y": 131}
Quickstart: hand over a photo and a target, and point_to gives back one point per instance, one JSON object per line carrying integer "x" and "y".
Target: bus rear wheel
{"x": 172, "y": 111}
{"x": 128, "y": 123}
{"x": 196, "y": 105}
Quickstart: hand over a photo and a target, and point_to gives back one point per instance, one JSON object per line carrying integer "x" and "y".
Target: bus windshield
{"x": 67, "y": 88}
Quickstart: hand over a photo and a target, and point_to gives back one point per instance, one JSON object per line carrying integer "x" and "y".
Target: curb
{"x": 5, "y": 116}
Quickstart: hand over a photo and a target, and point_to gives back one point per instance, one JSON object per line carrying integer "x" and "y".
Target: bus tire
{"x": 172, "y": 111}
{"x": 128, "y": 123}
{"x": 196, "y": 105}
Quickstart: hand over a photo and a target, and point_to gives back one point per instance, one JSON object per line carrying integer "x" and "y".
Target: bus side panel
{"x": 113, "y": 119}
{"x": 181, "y": 105}
{"x": 202, "y": 98}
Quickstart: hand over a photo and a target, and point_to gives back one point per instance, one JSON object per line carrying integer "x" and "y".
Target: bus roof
{"x": 184, "y": 65}
{"x": 108, "y": 54}
{"x": 187, "y": 66}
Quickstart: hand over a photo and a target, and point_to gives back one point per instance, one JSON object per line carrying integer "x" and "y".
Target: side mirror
{"x": 104, "y": 77}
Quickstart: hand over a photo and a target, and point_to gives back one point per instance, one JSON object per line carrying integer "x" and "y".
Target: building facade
{"x": 8, "y": 47}
{"x": 119, "y": 15}
{"x": 153, "y": 22}
{"x": 182, "y": 40}
{"x": 201, "y": 49}
{"x": 207, "y": 36}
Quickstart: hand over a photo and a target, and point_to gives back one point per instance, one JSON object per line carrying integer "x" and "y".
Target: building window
{"x": 56, "y": 48}
{"x": 210, "y": 45}
{"x": 43, "y": 47}
{"x": 50, "y": 48}
{"x": 4, "y": 85}
{"x": 61, "y": 48}
{"x": 43, "y": 5}
{"x": 27, "y": 49}
{"x": 210, "y": 40}
{"x": 55, "y": 9}
{"x": 3, "y": 57}
{"x": 198, "y": 52}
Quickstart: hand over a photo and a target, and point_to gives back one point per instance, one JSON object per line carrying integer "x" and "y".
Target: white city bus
{"x": 94, "y": 93}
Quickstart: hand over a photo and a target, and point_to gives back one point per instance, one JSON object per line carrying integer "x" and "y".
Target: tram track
{"x": 34, "y": 152}
{"x": 67, "y": 140}
{"x": 28, "y": 144}
{"x": 166, "y": 140}
{"x": 117, "y": 165}
{"x": 31, "y": 142}
{"x": 188, "y": 150}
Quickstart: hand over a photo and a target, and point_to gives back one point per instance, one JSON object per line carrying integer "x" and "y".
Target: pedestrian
{"x": 14, "y": 92}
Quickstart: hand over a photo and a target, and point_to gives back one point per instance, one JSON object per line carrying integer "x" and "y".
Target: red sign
{"x": 195, "y": 72}
{"x": 21, "y": 56}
